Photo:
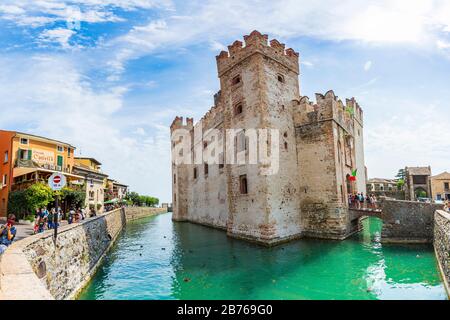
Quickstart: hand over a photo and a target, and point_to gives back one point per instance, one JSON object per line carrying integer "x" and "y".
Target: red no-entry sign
{"x": 57, "y": 181}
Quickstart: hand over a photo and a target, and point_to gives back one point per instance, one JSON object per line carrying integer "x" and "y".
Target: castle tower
{"x": 299, "y": 180}
{"x": 257, "y": 83}
{"x": 180, "y": 186}
{"x": 329, "y": 146}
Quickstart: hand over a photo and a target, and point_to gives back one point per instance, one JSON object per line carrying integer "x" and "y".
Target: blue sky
{"x": 109, "y": 76}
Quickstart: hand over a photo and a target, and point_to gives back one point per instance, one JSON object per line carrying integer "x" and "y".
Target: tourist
{"x": 36, "y": 221}
{"x": 50, "y": 218}
{"x": 7, "y": 233}
{"x": 41, "y": 220}
{"x": 446, "y": 206}
{"x": 71, "y": 215}
{"x": 374, "y": 201}
{"x": 92, "y": 213}
{"x": 357, "y": 202}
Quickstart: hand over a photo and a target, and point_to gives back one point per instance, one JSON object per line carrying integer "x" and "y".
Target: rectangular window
{"x": 60, "y": 148}
{"x": 221, "y": 161}
{"x": 206, "y": 169}
{"x": 4, "y": 180}
{"x": 243, "y": 184}
{"x": 60, "y": 161}
{"x": 236, "y": 80}
{"x": 241, "y": 141}
{"x": 446, "y": 185}
{"x": 23, "y": 141}
{"x": 174, "y": 178}
{"x": 69, "y": 151}
{"x": 24, "y": 154}
{"x": 195, "y": 173}
{"x": 5, "y": 160}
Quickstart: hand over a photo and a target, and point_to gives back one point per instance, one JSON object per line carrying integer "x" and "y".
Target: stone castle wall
{"x": 442, "y": 245}
{"x": 407, "y": 221}
{"x": 34, "y": 268}
{"x": 317, "y": 145}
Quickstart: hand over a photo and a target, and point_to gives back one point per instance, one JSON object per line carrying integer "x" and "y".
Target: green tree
{"x": 400, "y": 184}
{"x": 133, "y": 197}
{"x": 401, "y": 175}
{"x": 17, "y": 204}
{"x": 73, "y": 197}
{"x": 38, "y": 195}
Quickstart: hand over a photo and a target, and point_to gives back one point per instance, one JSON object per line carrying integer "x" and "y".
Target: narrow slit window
{"x": 243, "y": 184}
{"x": 238, "y": 109}
{"x": 280, "y": 78}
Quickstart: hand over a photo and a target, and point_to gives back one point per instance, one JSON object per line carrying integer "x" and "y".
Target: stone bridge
{"x": 403, "y": 221}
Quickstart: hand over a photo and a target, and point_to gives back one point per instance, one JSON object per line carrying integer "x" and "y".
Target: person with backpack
{"x": 7, "y": 233}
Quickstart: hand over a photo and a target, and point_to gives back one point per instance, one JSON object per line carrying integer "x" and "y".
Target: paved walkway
{"x": 26, "y": 230}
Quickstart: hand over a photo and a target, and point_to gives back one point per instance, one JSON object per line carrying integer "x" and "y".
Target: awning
{"x": 111, "y": 201}
{"x": 20, "y": 171}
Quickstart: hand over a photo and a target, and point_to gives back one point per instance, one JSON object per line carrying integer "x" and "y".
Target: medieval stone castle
{"x": 320, "y": 145}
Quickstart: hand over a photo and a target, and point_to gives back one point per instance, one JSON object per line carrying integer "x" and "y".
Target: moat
{"x": 155, "y": 258}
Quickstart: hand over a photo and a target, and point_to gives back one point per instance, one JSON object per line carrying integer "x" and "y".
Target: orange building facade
{"x": 27, "y": 159}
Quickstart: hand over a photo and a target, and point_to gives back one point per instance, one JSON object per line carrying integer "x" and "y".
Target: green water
{"x": 155, "y": 258}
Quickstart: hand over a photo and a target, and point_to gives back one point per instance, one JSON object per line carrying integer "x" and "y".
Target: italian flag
{"x": 353, "y": 176}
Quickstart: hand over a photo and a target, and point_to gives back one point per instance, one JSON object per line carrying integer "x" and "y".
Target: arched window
{"x": 280, "y": 78}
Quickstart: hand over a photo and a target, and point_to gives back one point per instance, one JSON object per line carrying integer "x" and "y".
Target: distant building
{"x": 417, "y": 182}
{"x": 27, "y": 159}
{"x": 385, "y": 187}
{"x": 115, "y": 190}
{"x": 94, "y": 181}
{"x": 440, "y": 186}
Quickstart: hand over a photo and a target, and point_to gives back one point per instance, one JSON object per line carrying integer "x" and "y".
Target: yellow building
{"x": 94, "y": 181}
{"x": 28, "y": 159}
{"x": 440, "y": 186}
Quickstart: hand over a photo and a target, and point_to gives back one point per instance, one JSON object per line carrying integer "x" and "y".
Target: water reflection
{"x": 157, "y": 259}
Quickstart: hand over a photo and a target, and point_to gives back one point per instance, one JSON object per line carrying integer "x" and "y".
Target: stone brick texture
{"x": 308, "y": 195}
{"x": 36, "y": 268}
{"x": 442, "y": 245}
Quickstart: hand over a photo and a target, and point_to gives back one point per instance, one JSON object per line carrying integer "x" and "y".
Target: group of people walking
{"x": 44, "y": 219}
{"x": 359, "y": 201}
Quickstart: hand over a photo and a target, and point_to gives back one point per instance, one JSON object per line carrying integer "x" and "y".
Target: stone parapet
{"x": 442, "y": 245}
{"x": 407, "y": 221}
{"x": 36, "y": 268}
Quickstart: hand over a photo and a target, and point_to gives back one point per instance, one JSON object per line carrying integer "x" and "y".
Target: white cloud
{"x": 46, "y": 95}
{"x": 413, "y": 22}
{"x": 419, "y": 137}
{"x": 367, "y": 65}
{"x": 307, "y": 63}
{"x": 60, "y": 36}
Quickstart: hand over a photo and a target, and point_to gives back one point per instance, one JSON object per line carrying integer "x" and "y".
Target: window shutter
{"x": 60, "y": 161}
{"x": 29, "y": 154}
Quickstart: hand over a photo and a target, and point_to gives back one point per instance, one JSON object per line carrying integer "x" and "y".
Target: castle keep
{"x": 318, "y": 145}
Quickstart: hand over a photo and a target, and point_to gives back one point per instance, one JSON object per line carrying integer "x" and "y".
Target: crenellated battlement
{"x": 178, "y": 123}
{"x": 327, "y": 107}
{"x": 256, "y": 42}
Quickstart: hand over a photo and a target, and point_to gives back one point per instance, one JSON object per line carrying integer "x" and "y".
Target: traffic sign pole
{"x": 57, "y": 181}
{"x": 55, "y": 218}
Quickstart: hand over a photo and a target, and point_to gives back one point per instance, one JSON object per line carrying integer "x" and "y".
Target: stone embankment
{"x": 442, "y": 245}
{"x": 407, "y": 221}
{"x": 37, "y": 268}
